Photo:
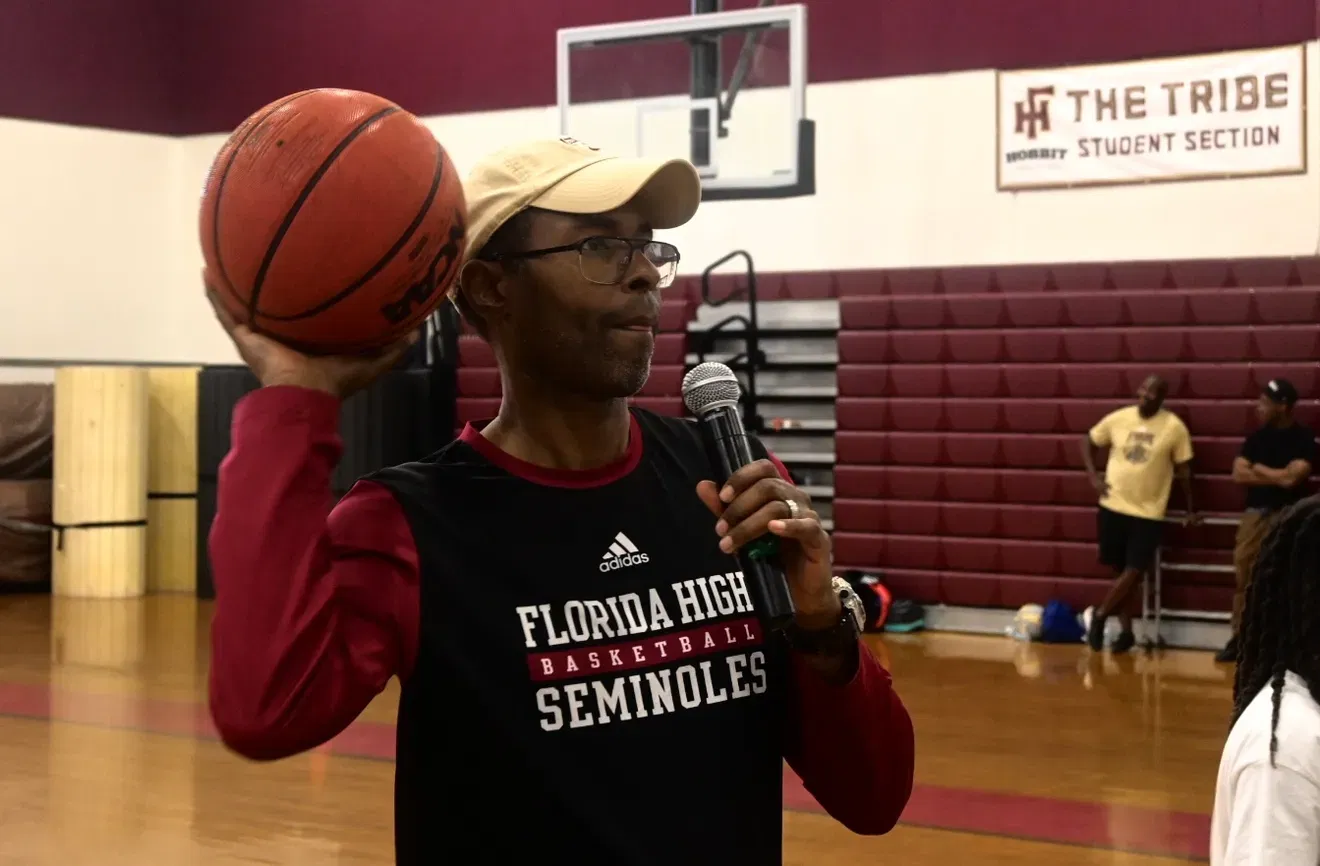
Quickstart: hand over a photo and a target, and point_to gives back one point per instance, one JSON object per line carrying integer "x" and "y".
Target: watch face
{"x": 851, "y": 603}
{"x": 859, "y": 614}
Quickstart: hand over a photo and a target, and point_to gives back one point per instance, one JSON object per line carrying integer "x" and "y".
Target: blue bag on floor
{"x": 1059, "y": 624}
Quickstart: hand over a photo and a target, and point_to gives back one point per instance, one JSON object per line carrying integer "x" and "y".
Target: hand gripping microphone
{"x": 711, "y": 392}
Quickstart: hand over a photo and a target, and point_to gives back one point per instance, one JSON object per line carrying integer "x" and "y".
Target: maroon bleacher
{"x": 964, "y": 394}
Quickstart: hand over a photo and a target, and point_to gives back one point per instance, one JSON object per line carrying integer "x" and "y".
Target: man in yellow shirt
{"x": 1147, "y": 446}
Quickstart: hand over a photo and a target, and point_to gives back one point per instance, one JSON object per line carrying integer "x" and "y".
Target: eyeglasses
{"x": 606, "y": 261}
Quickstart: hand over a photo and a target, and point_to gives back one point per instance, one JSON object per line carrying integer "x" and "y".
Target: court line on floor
{"x": 1178, "y": 858}
{"x": 1078, "y": 823}
{"x": 1156, "y": 832}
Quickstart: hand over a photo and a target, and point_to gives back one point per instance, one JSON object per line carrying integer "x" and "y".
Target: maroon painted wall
{"x": 111, "y": 63}
{"x": 188, "y": 66}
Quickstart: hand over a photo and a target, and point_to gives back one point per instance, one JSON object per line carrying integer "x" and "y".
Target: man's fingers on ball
{"x": 226, "y": 321}
{"x": 395, "y": 353}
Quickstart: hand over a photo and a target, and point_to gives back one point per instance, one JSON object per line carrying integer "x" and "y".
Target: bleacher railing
{"x": 751, "y": 358}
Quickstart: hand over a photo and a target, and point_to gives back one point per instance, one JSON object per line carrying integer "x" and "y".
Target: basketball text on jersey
{"x": 668, "y": 649}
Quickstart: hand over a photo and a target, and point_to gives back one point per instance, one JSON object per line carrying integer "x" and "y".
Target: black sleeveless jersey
{"x": 592, "y": 685}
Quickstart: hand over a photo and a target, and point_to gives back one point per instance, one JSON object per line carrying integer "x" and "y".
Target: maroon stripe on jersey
{"x": 646, "y": 652}
{"x": 573, "y": 478}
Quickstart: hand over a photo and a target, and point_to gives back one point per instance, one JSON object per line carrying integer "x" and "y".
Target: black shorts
{"x": 1127, "y": 541}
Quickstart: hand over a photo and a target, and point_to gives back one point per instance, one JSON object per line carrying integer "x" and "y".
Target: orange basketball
{"x": 332, "y": 220}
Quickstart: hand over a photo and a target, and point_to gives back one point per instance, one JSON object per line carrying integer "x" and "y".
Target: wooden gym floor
{"x": 1025, "y": 755}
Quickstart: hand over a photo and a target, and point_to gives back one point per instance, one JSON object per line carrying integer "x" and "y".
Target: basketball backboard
{"x": 726, "y": 90}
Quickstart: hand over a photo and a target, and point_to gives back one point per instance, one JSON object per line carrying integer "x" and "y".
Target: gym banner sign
{"x": 1212, "y": 116}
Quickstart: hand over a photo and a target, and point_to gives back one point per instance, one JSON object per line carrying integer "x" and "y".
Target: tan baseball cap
{"x": 567, "y": 175}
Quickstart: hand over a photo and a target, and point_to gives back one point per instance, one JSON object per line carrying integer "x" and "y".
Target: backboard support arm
{"x": 705, "y": 85}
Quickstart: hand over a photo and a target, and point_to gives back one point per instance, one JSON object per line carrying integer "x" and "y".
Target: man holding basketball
{"x": 584, "y": 677}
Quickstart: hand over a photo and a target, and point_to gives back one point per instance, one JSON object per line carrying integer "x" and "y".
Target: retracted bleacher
{"x": 964, "y": 395}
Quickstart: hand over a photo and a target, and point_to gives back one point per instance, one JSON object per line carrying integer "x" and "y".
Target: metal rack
{"x": 1155, "y": 581}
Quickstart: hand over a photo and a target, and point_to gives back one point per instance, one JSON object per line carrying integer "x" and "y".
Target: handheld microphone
{"x": 711, "y": 392}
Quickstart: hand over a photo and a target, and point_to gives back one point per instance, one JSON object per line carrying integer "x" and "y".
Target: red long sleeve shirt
{"x": 317, "y": 606}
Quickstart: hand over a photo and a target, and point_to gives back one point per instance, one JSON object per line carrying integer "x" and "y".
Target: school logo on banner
{"x": 1235, "y": 114}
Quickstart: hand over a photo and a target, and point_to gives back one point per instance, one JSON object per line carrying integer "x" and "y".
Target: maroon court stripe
{"x": 1158, "y": 832}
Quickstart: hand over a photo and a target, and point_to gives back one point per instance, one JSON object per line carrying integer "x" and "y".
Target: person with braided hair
{"x": 1267, "y": 796}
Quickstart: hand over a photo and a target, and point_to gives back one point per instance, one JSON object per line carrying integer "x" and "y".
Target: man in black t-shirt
{"x": 1273, "y": 465}
{"x": 585, "y": 677}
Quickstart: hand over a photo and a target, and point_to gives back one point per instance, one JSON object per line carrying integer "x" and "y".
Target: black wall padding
{"x": 444, "y": 404}
{"x": 389, "y": 423}
{"x": 206, "y": 490}
{"x": 405, "y": 415}
{"x": 218, "y": 390}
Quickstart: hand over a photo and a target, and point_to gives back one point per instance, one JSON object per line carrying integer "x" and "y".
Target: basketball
{"x": 333, "y": 221}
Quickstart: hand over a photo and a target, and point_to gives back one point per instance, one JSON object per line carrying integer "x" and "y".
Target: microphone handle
{"x": 730, "y": 450}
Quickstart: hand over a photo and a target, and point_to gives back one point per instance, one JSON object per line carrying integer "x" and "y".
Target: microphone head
{"x": 709, "y": 386}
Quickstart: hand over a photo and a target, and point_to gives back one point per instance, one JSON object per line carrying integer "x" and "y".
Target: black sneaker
{"x": 1124, "y": 642}
{"x": 1095, "y": 638}
{"x": 1229, "y": 653}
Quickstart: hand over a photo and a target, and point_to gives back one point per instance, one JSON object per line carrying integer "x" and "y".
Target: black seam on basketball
{"x": 385, "y": 260}
{"x": 254, "y": 296}
{"x": 220, "y": 188}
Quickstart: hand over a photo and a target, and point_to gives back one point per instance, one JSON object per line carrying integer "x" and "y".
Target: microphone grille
{"x": 709, "y": 385}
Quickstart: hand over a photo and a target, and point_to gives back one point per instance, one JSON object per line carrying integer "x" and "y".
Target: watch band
{"x": 837, "y": 638}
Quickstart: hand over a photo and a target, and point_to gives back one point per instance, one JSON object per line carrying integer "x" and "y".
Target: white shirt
{"x": 1270, "y": 816}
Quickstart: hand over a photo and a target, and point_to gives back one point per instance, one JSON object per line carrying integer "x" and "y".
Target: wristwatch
{"x": 838, "y": 637}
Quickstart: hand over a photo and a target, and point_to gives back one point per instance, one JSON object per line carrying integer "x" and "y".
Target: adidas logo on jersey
{"x": 622, "y": 553}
